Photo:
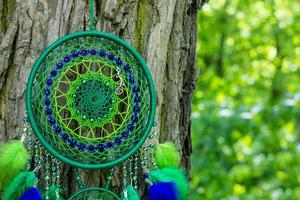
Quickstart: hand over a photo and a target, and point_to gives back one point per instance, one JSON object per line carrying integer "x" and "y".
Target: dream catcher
{"x": 91, "y": 104}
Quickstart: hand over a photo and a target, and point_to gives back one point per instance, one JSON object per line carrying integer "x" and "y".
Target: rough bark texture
{"x": 163, "y": 31}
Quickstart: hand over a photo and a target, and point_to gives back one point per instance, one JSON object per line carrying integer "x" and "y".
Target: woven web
{"x": 91, "y": 100}
{"x": 94, "y": 195}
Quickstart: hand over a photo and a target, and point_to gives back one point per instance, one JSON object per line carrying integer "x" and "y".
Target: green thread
{"x": 92, "y": 15}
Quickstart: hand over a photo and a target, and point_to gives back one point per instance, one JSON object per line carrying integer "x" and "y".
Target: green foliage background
{"x": 246, "y": 108}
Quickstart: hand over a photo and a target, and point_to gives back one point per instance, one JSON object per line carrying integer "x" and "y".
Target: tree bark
{"x": 164, "y": 32}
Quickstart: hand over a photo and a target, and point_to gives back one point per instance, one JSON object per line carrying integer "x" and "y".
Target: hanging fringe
{"x": 19, "y": 184}
{"x": 31, "y": 194}
{"x": 171, "y": 174}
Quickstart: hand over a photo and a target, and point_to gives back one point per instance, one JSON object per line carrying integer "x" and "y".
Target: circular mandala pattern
{"x": 94, "y": 194}
{"x": 90, "y": 99}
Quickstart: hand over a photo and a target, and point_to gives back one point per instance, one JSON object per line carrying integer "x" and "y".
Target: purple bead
{"x": 53, "y": 72}
{"x": 49, "y": 81}
{"x": 102, "y": 53}
{"x": 59, "y": 65}
{"x": 93, "y": 51}
{"x": 66, "y": 59}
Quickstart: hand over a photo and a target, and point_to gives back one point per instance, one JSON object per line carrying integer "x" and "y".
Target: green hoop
{"x": 145, "y": 70}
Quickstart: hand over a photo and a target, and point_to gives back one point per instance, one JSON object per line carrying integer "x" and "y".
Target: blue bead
{"x": 65, "y": 137}
{"x": 134, "y": 118}
{"x": 135, "y": 89}
{"x": 119, "y": 62}
{"x": 66, "y": 59}
{"x": 83, "y": 52}
{"x": 81, "y": 147}
{"x": 91, "y": 148}
{"x": 75, "y": 54}
{"x": 126, "y": 68}
{"x": 136, "y": 98}
{"x": 53, "y": 72}
{"x": 59, "y": 65}
{"x": 131, "y": 79}
{"x": 88, "y": 51}
{"x": 117, "y": 140}
{"x": 125, "y": 134}
{"x": 93, "y": 51}
{"x": 100, "y": 148}
{"x": 102, "y": 53}
{"x": 47, "y": 102}
{"x": 51, "y": 120}
{"x": 49, "y": 81}
{"x": 48, "y": 111}
{"x": 58, "y": 130}
{"x": 109, "y": 144}
{"x": 145, "y": 175}
{"x": 130, "y": 127}
{"x": 137, "y": 108}
{"x": 47, "y": 91}
{"x": 111, "y": 57}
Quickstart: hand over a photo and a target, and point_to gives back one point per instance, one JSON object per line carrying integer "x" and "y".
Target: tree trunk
{"x": 164, "y": 32}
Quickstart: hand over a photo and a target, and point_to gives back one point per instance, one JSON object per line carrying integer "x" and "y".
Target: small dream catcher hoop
{"x": 91, "y": 99}
{"x": 91, "y": 103}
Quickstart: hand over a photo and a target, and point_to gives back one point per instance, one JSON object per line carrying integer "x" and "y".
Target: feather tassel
{"x": 13, "y": 159}
{"x": 18, "y": 186}
{"x": 163, "y": 191}
{"x": 166, "y": 155}
{"x": 31, "y": 194}
{"x": 175, "y": 175}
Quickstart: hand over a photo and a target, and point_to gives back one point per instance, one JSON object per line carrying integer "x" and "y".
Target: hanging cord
{"x": 92, "y": 15}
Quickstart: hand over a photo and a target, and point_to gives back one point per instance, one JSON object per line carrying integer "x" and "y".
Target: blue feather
{"x": 163, "y": 191}
{"x": 31, "y": 194}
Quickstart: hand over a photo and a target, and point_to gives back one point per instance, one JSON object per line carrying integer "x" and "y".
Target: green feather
{"x": 19, "y": 184}
{"x": 53, "y": 195}
{"x": 166, "y": 155}
{"x": 13, "y": 159}
{"x": 171, "y": 174}
{"x": 131, "y": 194}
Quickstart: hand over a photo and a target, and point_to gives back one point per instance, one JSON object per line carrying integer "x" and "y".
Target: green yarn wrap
{"x": 131, "y": 193}
{"x": 13, "y": 159}
{"x": 19, "y": 185}
{"x": 171, "y": 174}
{"x": 166, "y": 155}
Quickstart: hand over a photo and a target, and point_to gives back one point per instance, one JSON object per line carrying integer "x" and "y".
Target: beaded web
{"x": 94, "y": 194}
{"x": 91, "y": 98}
